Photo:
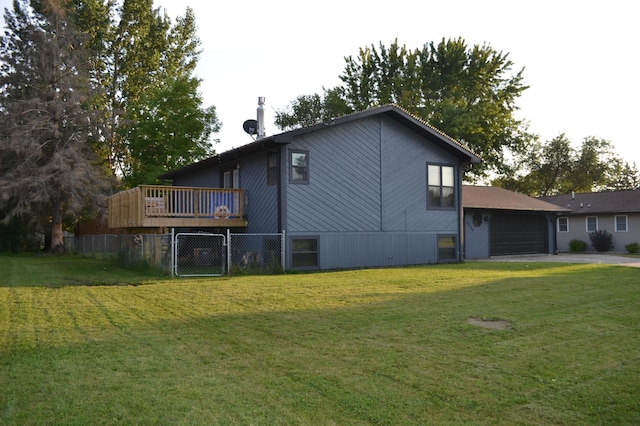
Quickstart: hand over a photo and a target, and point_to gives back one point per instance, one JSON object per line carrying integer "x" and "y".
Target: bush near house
{"x": 601, "y": 240}
{"x": 632, "y": 248}
{"x": 577, "y": 246}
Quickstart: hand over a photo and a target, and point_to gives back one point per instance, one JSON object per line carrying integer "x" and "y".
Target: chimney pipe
{"x": 260, "y": 120}
{"x": 573, "y": 195}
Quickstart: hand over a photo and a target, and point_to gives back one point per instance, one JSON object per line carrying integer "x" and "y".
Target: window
{"x": 440, "y": 184}
{"x": 621, "y": 224}
{"x": 272, "y": 168}
{"x": 592, "y": 223}
{"x": 231, "y": 178}
{"x": 447, "y": 249}
{"x": 299, "y": 163}
{"x": 563, "y": 224}
{"x": 304, "y": 252}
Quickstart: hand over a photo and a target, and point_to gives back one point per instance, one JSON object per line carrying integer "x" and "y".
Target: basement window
{"x": 447, "y": 248}
{"x": 304, "y": 252}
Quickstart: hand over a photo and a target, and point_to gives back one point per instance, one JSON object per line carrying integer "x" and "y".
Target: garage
{"x": 518, "y": 234}
{"x": 498, "y": 222}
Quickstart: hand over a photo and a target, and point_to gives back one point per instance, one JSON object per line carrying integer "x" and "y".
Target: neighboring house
{"x": 617, "y": 212}
{"x": 375, "y": 188}
{"x": 499, "y": 222}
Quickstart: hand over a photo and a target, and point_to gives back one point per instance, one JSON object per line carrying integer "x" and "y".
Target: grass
{"x": 387, "y": 346}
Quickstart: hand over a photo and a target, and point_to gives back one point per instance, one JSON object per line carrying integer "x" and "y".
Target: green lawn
{"x": 79, "y": 345}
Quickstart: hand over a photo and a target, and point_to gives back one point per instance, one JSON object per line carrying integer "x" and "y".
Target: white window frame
{"x": 565, "y": 218}
{"x": 586, "y": 223}
{"x": 626, "y": 223}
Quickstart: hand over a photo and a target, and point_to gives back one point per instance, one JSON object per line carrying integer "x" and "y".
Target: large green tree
{"x": 168, "y": 127}
{"x": 47, "y": 166}
{"x": 467, "y": 92}
{"x": 153, "y": 114}
{"x": 555, "y": 167}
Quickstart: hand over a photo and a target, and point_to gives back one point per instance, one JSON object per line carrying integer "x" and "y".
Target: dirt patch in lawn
{"x": 494, "y": 324}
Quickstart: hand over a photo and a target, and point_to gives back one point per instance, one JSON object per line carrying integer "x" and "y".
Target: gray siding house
{"x": 617, "y": 212}
{"x": 375, "y": 188}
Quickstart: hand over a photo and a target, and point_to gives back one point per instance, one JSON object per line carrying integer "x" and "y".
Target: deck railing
{"x": 176, "y": 206}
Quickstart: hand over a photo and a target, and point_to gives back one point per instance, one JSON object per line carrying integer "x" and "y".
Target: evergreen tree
{"x": 47, "y": 164}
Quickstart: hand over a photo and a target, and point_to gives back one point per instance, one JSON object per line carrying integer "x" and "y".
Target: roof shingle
{"x": 599, "y": 202}
{"x": 495, "y": 198}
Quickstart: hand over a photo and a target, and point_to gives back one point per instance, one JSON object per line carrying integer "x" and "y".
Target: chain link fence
{"x": 128, "y": 249}
{"x": 256, "y": 253}
{"x": 188, "y": 254}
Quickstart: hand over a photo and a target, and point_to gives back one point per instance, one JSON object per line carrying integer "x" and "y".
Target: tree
{"x": 468, "y": 93}
{"x": 153, "y": 115}
{"x": 307, "y": 110}
{"x": 159, "y": 121}
{"x": 169, "y": 127}
{"x": 47, "y": 163}
{"x": 556, "y": 167}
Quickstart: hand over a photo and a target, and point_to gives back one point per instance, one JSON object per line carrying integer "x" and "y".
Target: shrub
{"x": 601, "y": 240}
{"x": 577, "y": 246}
{"x": 632, "y": 248}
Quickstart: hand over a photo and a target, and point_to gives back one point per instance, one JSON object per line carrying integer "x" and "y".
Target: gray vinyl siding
{"x": 366, "y": 198}
{"x": 343, "y": 193}
{"x": 578, "y": 231}
{"x": 476, "y": 238}
{"x": 373, "y": 249}
{"x": 261, "y": 206}
{"x": 207, "y": 178}
{"x": 404, "y": 182}
{"x": 368, "y": 175}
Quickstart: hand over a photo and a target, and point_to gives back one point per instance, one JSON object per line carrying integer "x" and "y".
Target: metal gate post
{"x": 283, "y": 251}
{"x": 173, "y": 252}
{"x": 228, "y": 251}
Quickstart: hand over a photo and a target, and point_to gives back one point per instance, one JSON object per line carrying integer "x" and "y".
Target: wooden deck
{"x": 153, "y": 206}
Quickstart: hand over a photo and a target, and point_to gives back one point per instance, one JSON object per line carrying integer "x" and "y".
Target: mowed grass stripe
{"x": 354, "y": 347}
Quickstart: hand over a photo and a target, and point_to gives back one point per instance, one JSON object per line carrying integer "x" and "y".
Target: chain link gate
{"x": 199, "y": 254}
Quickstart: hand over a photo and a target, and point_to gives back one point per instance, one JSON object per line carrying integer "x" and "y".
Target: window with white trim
{"x": 563, "y": 224}
{"x": 622, "y": 224}
{"x": 591, "y": 223}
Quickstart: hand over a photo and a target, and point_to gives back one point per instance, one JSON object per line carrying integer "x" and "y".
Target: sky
{"x": 580, "y": 58}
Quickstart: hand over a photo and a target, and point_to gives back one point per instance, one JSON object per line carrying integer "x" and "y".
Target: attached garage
{"x": 512, "y": 233}
{"x": 498, "y": 222}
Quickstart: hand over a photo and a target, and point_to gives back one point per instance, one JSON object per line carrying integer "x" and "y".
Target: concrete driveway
{"x": 608, "y": 259}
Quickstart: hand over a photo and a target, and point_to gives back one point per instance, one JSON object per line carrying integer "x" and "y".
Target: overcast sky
{"x": 580, "y": 57}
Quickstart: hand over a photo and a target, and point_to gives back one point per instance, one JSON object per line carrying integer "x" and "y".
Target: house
{"x": 375, "y": 188}
{"x": 617, "y": 212}
{"x": 500, "y": 222}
